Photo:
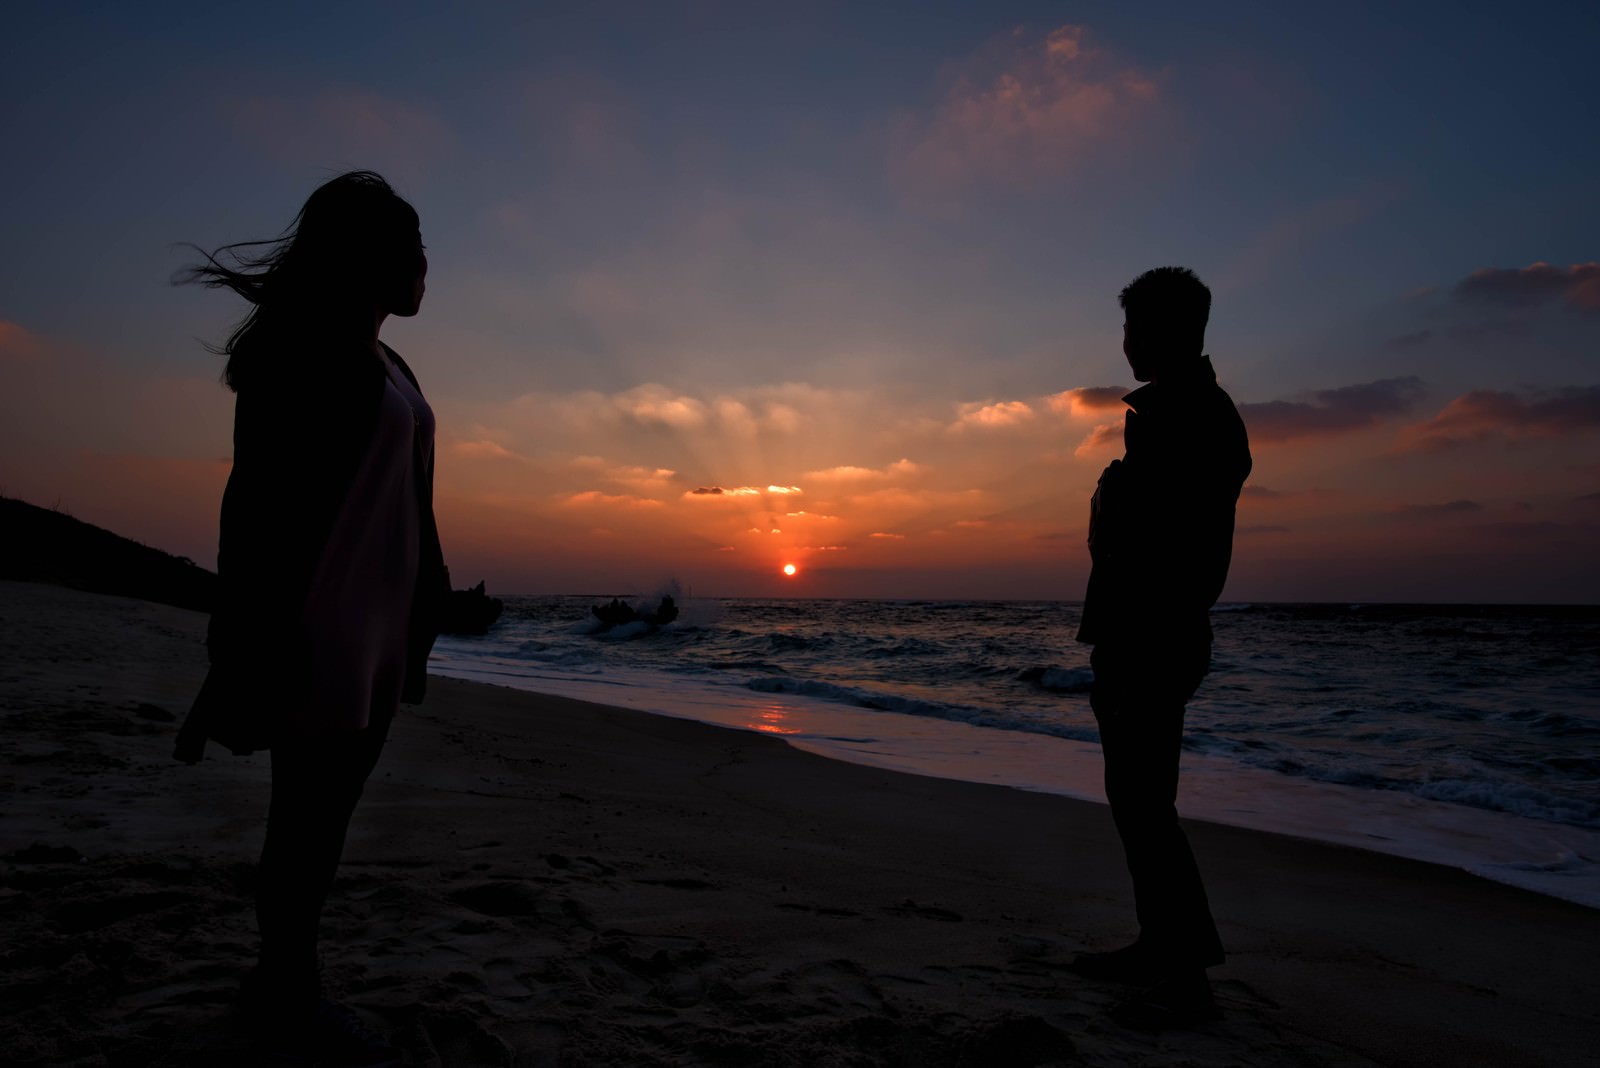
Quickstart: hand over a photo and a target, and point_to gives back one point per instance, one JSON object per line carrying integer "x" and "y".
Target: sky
{"x": 719, "y": 287}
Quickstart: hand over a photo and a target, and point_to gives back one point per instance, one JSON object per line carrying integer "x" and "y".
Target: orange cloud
{"x": 1023, "y": 112}
{"x": 1103, "y": 436}
{"x": 1087, "y": 400}
{"x": 640, "y": 478}
{"x": 712, "y": 493}
{"x": 483, "y": 450}
{"x": 992, "y": 415}
{"x": 851, "y": 473}
{"x": 656, "y": 404}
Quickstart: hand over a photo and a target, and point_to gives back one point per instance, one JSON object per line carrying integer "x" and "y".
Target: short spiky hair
{"x": 1174, "y": 296}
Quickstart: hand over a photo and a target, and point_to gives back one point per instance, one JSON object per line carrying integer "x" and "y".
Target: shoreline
{"x": 1558, "y": 860}
{"x": 548, "y": 881}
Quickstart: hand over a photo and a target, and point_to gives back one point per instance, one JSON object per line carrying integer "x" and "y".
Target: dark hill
{"x": 40, "y": 545}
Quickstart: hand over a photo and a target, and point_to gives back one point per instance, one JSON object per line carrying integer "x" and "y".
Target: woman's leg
{"x": 315, "y": 786}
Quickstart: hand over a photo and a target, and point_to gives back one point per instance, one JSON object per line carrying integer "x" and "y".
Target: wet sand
{"x": 540, "y": 881}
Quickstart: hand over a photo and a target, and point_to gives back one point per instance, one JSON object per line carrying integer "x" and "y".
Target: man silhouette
{"x": 1160, "y": 539}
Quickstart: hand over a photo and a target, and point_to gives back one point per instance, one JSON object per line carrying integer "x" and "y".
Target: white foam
{"x": 1548, "y": 858}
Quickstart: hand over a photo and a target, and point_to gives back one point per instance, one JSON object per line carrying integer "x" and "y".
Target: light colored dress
{"x": 359, "y": 605}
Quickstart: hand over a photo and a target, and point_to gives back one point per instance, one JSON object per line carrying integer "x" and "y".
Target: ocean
{"x": 1463, "y": 735}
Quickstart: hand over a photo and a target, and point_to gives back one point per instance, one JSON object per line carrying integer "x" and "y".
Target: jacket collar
{"x": 1171, "y": 387}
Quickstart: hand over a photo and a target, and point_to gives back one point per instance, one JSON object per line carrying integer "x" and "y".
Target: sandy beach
{"x": 539, "y": 881}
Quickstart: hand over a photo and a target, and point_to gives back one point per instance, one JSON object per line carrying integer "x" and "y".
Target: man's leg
{"x": 1142, "y": 744}
{"x": 1139, "y": 703}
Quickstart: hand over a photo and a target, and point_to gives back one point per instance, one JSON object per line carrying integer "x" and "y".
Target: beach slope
{"x": 539, "y": 881}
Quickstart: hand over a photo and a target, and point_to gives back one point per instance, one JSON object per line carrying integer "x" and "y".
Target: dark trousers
{"x": 315, "y": 786}
{"x": 1138, "y": 699}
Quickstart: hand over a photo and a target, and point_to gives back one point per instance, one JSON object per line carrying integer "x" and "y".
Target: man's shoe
{"x": 1130, "y": 964}
{"x": 1178, "y": 1001}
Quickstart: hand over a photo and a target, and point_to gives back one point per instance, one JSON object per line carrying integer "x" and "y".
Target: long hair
{"x": 307, "y": 280}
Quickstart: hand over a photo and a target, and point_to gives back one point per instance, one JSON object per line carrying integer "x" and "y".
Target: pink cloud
{"x": 18, "y": 346}
{"x": 1261, "y": 493}
{"x": 1434, "y": 511}
{"x": 1022, "y": 112}
{"x": 344, "y": 128}
{"x": 591, "y": 498}
{"x": 589, "y": 120}
{"x": 1487, "y": 413}
{"x": 1577, "y": 285}
{"x": 1331, "y": 411}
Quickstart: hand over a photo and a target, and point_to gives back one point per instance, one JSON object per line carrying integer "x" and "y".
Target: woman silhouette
{"x": 331, "y": 575}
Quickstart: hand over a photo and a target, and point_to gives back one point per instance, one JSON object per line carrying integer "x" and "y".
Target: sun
{"x": 790, "y": 569}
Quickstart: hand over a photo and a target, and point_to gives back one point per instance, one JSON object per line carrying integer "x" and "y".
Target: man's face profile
{"x": 1131, "y": 349}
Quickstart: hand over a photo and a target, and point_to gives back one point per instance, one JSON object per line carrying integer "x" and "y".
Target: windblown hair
{"x": 305, "y": 281}
{"x": 1171, "y": 303}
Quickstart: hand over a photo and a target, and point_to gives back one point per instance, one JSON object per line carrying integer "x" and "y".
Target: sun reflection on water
{"x": 771, "y": 719}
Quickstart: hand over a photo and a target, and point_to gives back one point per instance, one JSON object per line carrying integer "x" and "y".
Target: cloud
{"x": 344, "y": 128}
{"x": 1410, "y": 341}
{"x": 1302, "y": 227}
{"x": 587, "y": 121}
{"x": 992, "y": 415}
{"x": 18, "y": 345}
{"x": 591, "y": 498}
{"x": 1023, "y": 112}
{"x": 1103, "y": 436}
{"x": 1331, "y": 411}
{"x": 1486, "y": 413}
{"x": 1087, "y": 400}
{"x": 887, "y": 536}
{"x": 784, "y": 409}
{"x": 1261, "y": 493}
{"x": 1577, "y": 285}
{"x": 483, "y": 450}
{"x": 1245, "y": 532}
{"x": 639, "y": 478}
{"x": 851, "y": 473}
{"x": 1447, "y": 508}
{"x": 714, "y": 492}
{"x": 718, "y": 491}
{"x": 651, "y": 403}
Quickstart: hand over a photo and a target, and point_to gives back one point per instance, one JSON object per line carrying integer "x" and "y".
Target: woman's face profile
{"x": 405, "y": 273}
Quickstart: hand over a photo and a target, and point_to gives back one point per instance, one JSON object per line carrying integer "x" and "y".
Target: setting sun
{"x": 789, "y": 569}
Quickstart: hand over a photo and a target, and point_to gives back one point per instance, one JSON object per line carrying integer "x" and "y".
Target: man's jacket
{"x": 1161, "y": 519}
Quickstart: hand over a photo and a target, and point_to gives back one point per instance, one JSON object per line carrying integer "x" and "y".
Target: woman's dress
{"x": 358, "y": 608}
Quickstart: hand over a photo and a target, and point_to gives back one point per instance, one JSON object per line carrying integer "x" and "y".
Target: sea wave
{"x": 876, "y": 700}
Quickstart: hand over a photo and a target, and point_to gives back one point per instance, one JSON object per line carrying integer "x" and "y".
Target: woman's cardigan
{"x": 302, "y": 425}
